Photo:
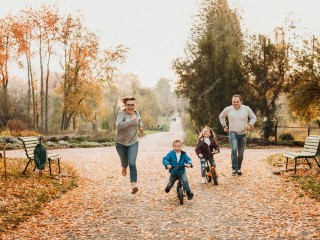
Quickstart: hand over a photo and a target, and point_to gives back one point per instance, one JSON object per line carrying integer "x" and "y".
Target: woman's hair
{"x": 125, "y": 99}
{"x": 212, "y": 135}
{"x": 177, "y": 141}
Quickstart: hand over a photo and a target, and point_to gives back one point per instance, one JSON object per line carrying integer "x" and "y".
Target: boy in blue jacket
{"x": 177, "y": 157}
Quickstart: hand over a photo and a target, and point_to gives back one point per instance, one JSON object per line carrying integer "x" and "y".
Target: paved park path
{"x": 257, "y": 205}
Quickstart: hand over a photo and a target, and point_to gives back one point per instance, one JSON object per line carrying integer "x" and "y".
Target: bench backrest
{"x": 29, "y": 144}
{"x": 312, "y": 144}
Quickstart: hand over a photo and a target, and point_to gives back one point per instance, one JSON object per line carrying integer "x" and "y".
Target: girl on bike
{"x": 205, "y": 148}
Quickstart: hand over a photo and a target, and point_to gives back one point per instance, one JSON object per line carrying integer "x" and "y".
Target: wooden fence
{"x": 299, "y": 133}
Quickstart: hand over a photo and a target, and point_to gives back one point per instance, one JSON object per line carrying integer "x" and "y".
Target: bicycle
{"x": 211, "y": 171}
{"x": 181, "y": 190}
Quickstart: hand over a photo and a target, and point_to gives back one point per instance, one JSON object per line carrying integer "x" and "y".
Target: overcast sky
{"x": 156, "y": 31}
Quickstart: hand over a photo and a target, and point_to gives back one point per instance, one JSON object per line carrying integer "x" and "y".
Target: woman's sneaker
{"x": 167, "y": 189}
{"x": 239, "y": 172}
{"x": 124, "y": 172}
{"x": 134, "y": 190}
{"x": 234, "y": 172}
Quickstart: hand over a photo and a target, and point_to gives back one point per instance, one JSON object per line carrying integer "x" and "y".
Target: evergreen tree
{"x": 210, "y": 73}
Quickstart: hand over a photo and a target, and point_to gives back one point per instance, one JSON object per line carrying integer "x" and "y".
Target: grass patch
{"x": 164, "y": 122}
{"x": 307, "y": 179}
{"x": 190, "y": 138}
{"x": 21, "y": 196}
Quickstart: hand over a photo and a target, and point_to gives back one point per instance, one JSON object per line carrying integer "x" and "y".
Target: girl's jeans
{"x": 184, "y": 179}
{"x": 203, "y": 165}
{"x": 128, "y": 156}
{"x": 238, "y": 144}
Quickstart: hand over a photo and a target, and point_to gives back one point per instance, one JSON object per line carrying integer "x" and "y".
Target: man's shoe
{"x": 239, "y": 172}
{"x": 190, "y": 195}
{"x": 234, "y": 172}
{"x": 124, "y": 172}
{"x": 167, "y": 189}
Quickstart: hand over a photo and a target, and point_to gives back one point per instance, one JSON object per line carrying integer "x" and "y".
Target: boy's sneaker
{"x": 239, "y": 172}
{"x": 203, "y": 180}
{"x": 190, "y": 195}
{"x": 234, "y": 172}
{"x": 167, "y": 189}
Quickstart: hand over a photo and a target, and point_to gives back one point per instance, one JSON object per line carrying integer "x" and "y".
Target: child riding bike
{"x": 205, "y": 148}
{"x": 177, "y": 157}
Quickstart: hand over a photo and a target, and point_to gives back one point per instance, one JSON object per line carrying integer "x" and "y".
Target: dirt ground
{"x": 257, "y": 205}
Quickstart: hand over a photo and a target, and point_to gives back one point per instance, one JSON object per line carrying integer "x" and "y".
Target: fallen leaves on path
{"x": 257, "y": 205}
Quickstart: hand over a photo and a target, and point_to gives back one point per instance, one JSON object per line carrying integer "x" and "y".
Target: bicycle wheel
{"x": 208, "y": 174}
{"x": 180, "y": 194}
{"x": 214, "y": 176}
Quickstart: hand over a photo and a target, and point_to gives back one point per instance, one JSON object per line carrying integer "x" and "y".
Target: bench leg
{"x": 295, "y": 165}
{"x": 287, "y": 163}
{"x": 59, "y": 165}
{"x": 308, "y": 162}
{"x": 49, "y": 160}
{"x": 317, "y": 162}
{"x": 25, "y": 169}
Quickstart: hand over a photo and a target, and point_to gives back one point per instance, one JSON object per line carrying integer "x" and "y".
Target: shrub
{"x": 16, "y": 127}
{"x": 286, "y": 136}
{"x": 190, "y": 138}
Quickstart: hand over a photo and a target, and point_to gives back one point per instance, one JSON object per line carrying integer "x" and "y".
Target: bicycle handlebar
{"x": 179, "y": 166}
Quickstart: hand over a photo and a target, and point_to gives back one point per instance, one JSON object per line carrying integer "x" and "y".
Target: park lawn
{"x": 165, "y": 123}
{"x": 308, "y": 180}
{"x": 21, "y": 196}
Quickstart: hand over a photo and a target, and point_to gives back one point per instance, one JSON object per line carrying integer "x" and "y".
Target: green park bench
{"x": 29, "y": 144}
{"x": 310, "y": 151}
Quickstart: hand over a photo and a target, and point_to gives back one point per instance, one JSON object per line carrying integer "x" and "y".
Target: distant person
{"x": 128, "y": 124}
{"x": 238, "y": 116}
{"x": 174, "y": 158}
{"x": 205, "y": 148}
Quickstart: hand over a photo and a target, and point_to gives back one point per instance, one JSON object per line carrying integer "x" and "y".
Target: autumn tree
{"x": 86, "y": 69}
{"x": 147, "y": 103}
{"x": 210, "y": 73}
{"x": 165, "y": 94}
{"x": 148, "y": 107}
{"x": 8, "y": 54}
{"x": 304, "y": 90}
{"x": 43, "y": 32}
{"x": 266, "y": 67}
{"x": 24, "y": 35}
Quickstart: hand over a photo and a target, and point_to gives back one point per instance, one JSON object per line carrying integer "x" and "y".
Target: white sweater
{"x": 238, "y": 118}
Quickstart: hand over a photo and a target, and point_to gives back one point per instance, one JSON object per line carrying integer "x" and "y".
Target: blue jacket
{"x": 171, "y": 159}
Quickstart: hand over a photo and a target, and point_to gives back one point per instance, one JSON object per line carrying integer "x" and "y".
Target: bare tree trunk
{"x": 34, "y": 100}
{"x": 62, "y": 121}
{"x": 42, "y": 95}
{"x": 47, "y": 96}
{"x": 29, "y": 94}
{"x": 74, "y": 123}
